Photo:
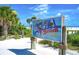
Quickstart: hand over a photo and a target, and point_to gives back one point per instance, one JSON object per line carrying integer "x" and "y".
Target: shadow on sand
{"x": 22, "y": 51}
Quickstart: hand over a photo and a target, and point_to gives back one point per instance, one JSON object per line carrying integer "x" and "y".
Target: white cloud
{"x": 31, "y": 8}
{"x": 41, "y": 12}
{"x": 45, "y": 11}
{"x": 41, "y": 9}
{"x": 66, "y": 10}
{"x": 58, "y": 14}
{"x": 67, "y": 16}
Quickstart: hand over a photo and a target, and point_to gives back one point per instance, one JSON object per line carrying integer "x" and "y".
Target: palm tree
{"x": 29, "y": 20}
{"x": 33, "y": 17}
{"x": 21, "y": 29}
{"x": 8, "y": 17}
{"x": 3, "y": 16}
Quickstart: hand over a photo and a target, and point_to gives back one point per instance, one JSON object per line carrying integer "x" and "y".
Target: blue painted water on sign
{"x": 49, "y": 29}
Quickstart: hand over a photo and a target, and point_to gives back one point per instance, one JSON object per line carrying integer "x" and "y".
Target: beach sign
{"x": 49, "y": 29}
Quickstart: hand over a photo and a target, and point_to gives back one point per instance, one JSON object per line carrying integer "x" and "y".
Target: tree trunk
{"x": 0, "y": 30}
{"x": 22, "y": 33}
{"x": 5, "y": 30}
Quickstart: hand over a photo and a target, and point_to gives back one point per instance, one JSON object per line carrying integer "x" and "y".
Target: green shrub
{"x": 17, "y": 35}
{"x": 73, "y": 39}
{"x": 56, "y": 44}
{"x": 27, "y": 33}
{"x": 45, "y": 42}
{"x": 75, "y": 43}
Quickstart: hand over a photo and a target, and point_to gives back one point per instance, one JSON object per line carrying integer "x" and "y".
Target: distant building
{"x": 72, "y": 30}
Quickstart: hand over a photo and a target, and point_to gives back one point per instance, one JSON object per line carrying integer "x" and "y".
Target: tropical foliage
{"x": 73, "y": 40}
{"x": 10, "y": 23}
{"x": 29, "y": 20}
{"x": 45, "y": 42}
{"x": 56, "y": 45}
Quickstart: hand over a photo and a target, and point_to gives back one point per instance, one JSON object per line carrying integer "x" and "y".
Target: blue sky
{"x": 70, "y": 11}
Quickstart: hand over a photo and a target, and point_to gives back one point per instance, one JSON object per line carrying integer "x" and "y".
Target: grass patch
{"x": 73, "y": 47}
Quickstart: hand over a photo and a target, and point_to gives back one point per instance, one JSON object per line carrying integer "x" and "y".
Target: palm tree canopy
{"x": 28, "y": 20}
{"x": 8, "y": 15}
{"x": 33, "y": 17}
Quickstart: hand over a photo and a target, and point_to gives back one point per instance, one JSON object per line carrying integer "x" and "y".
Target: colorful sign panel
{"x": 49, "y": 29}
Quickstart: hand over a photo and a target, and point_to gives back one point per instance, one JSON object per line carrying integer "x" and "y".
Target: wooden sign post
{"x": 33, "y": 42}
{"x": 62, "y": 49}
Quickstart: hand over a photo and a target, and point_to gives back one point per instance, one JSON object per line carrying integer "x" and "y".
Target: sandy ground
{"x": 24, "y": 44}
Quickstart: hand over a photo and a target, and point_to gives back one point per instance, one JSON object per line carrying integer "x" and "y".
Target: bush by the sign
{"x": 45, "y": 42}
{"x": 56, "y": 45}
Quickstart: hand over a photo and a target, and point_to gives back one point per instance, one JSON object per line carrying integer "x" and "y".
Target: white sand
{"x": 24, "y": 43}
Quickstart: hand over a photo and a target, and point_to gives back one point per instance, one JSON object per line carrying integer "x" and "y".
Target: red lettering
{"x": 45, "y": 31}
{"x": 54, "y": 30}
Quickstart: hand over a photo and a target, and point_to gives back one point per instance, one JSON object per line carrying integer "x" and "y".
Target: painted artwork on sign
{"x": 49, "y": 29}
